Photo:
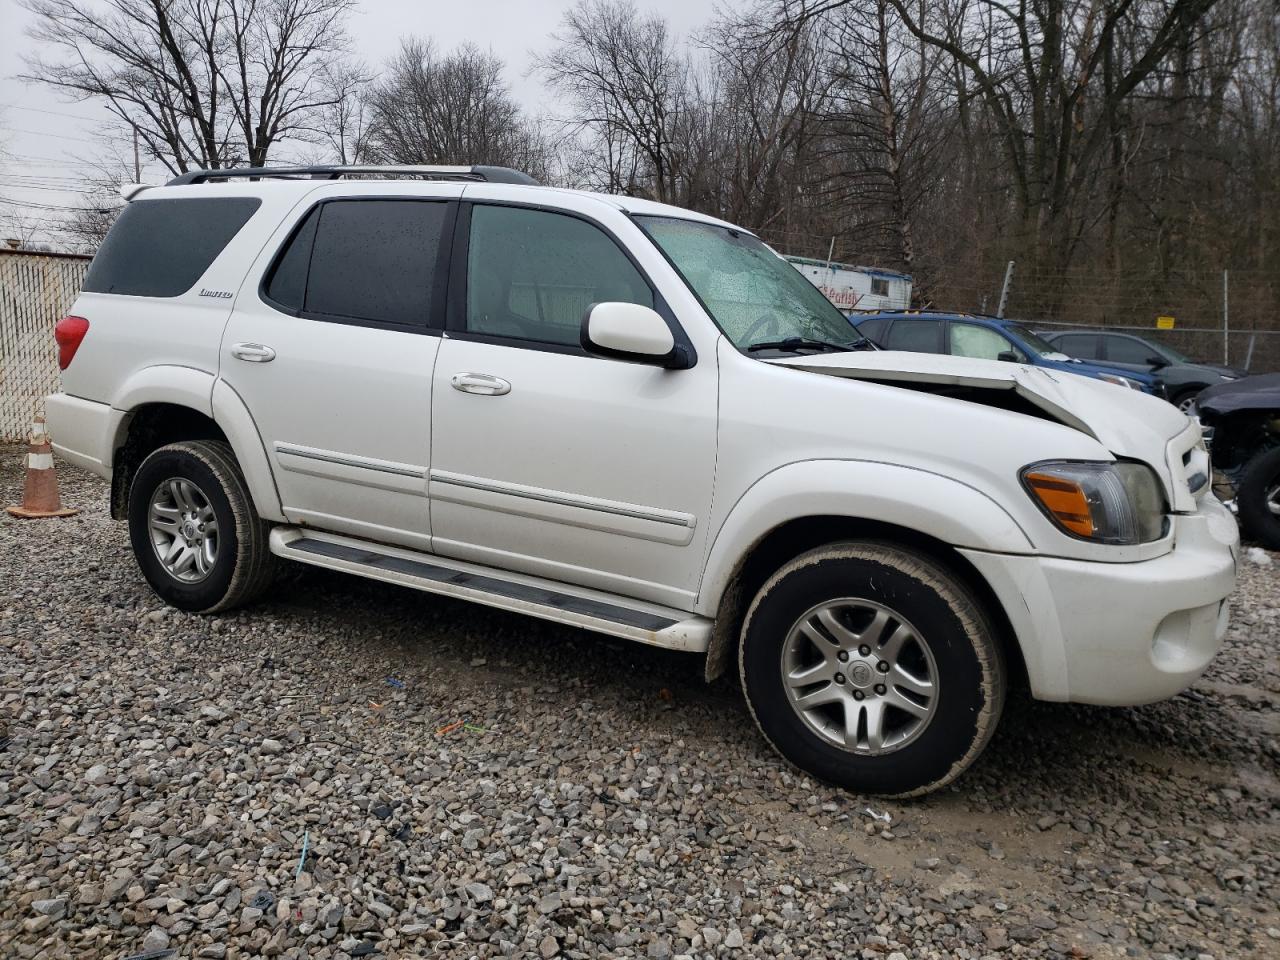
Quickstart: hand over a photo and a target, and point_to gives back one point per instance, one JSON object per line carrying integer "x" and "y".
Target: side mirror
{"x": 1157, "y": 362}
{"x": 1008, "y": 356}
{"x": 629, "y": 331}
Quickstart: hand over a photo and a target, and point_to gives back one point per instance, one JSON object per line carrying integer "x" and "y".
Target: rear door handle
{"x": 253, "y": 352}
{"x": 481, "y": 384}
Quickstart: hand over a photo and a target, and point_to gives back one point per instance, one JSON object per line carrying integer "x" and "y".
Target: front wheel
{"x": 1258, "y": 498}
{"x": 194, "y": 531}
{"x": 1185, "y": 400}
{"x": 872, "y": 667}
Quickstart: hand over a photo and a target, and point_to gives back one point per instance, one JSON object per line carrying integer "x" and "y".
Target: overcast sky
{"x": 52, "y": 143}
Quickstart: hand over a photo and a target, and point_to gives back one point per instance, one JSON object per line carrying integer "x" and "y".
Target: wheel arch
{"x": 765, "y": 531}
{"x": 152, "y": 424}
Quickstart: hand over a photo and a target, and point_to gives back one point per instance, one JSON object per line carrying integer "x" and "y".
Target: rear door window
{"x": 372, "y": 261}
{"x": 1128, "y": 350}
{"x": 1082, "y": 345}
{"x": 160, "y": 248}
{"x": 920, "y": 336}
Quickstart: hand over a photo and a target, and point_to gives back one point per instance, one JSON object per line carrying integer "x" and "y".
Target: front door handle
{"x": 253, "y": 352}
{"x": 481, "y": 384}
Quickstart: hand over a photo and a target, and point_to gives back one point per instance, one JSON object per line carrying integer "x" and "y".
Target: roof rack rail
{"x": 482, "y": 174}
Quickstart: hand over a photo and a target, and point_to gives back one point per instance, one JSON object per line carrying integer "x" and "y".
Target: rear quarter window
{"x": 160, "y": 248}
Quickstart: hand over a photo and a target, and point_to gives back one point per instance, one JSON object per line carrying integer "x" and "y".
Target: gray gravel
{"x": 470, "y": 783}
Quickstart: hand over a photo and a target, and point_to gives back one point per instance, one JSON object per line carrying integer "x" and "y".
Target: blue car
{"x": 986, "y": 338}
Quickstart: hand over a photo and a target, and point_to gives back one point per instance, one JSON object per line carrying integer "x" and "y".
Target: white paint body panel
{"x": 81, "y": 431}
{"x": 629, "y": 327}
{"x": 344, "y": 411}
{"x": 638, "y": 485}
{"x": 547, "y": 479}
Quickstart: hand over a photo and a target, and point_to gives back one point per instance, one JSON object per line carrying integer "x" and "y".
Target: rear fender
{"x": 231, "y": 414}
{"x": 183, "y": 386}
{"x": 202, "y": 392}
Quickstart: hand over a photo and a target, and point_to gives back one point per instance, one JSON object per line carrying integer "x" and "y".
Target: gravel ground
{"x": 352, "y": 769}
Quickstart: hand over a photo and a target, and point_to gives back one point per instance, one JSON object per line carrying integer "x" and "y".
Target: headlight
{"x": 1120, "y": 381}
{"x": 1104, "y": 502}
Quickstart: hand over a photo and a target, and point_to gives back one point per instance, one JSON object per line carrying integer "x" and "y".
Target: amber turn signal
{"x": 1065, "y": 501}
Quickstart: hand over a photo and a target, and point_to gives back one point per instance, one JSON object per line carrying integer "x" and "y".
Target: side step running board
{"x": 578, "y": 606}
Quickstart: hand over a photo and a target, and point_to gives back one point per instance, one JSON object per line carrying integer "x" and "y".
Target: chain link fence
{"x": 36, "y": 291}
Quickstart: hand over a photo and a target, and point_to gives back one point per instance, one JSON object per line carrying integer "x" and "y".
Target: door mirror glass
{"x": 630, "y": 331}
{"x": 1008, "y": 356}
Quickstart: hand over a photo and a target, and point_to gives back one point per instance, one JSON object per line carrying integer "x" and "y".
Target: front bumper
{"x": 1121, "y": 634}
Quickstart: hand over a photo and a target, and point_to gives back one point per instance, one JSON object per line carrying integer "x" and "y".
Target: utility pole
{"x": 1226, "y": 323}
{"x": 137, "y": 162}
{"x": 1004, "y": 290}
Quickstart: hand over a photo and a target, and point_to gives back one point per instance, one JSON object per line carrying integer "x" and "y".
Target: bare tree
{"x": 204, "y": 83}
{"x": 626, "y": 85}
{"x": 343, "y": 123}
{"x": 86, "y": 228}
{"x": 1043, "y": 75}
{"x": 768, "y": 85}
{"x": 885, "y": 123}
{"x": 455, "y": 108}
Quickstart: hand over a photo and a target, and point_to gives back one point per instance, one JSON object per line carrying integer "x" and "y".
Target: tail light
{"x": 69, "y": 333}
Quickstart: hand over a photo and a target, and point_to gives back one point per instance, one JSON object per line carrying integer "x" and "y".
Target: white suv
{"x": 640, "y": 420}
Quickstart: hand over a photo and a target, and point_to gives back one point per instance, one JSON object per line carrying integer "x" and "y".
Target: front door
{"x": 334, "y": 356}
{"x": 545, "y": 459}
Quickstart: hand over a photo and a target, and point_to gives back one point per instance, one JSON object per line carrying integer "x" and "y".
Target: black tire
{"x": 243, "y": 565}
{"x": 1258, "y": 486}
{"x": 966, "y": 659}
{"x": 1182, "y": 396}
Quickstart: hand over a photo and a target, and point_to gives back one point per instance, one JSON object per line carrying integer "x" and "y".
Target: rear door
{"x": 333, "y": 353}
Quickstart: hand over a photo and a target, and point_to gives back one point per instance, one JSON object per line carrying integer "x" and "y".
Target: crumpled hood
{"x": 1127, "y": 422}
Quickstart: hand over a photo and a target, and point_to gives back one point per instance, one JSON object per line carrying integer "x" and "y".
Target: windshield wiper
{"x": 804, "y": 343}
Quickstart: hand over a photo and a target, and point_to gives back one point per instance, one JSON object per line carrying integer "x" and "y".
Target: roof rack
{"x": 482, "y": 174}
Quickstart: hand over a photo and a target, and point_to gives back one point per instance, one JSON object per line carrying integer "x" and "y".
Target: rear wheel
{"x": 194, "y": 532}
{"x": 1258, "y": 498}
{"x": 872, "y": 667}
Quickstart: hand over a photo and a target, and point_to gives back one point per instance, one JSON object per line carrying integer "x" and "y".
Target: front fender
{"x": 928, "y": 503}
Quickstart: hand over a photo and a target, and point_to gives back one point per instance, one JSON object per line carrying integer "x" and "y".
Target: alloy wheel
{"x": 860, "y": 676}
{"x": 183, "y": 529}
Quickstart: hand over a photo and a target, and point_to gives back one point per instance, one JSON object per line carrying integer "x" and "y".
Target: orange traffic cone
{"x": 40, "y": 494}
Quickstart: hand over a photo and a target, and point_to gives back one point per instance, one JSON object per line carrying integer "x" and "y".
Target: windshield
{"x": 754, "y": 296}
{"x": 1033, "y": 342}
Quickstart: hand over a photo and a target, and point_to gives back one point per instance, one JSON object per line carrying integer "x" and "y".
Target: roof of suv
{"x": 259, "y": 181}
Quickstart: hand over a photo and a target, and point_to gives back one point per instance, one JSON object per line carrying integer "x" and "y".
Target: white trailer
{"x": 854, "y": 288}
